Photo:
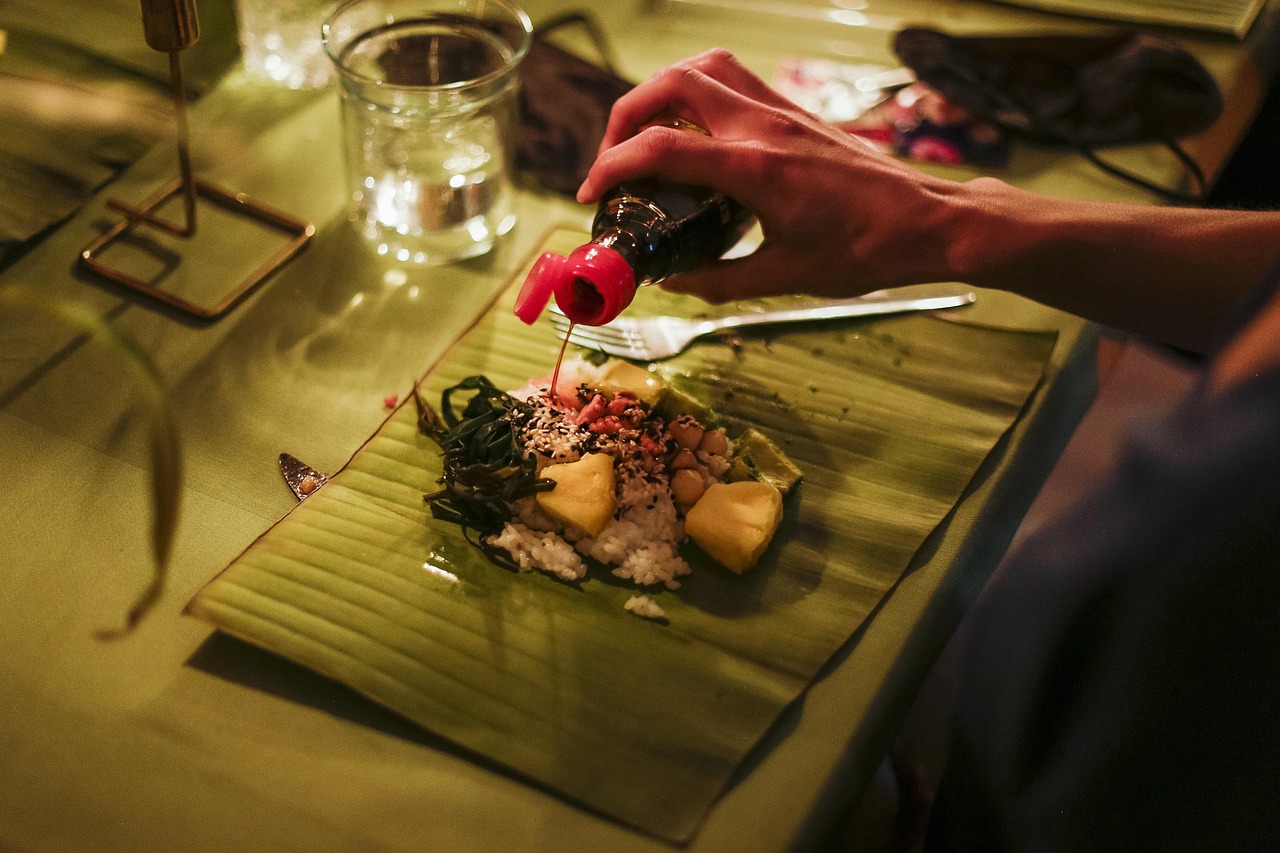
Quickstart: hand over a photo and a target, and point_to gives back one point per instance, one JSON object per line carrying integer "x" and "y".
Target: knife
{"x": 303, "y": 480}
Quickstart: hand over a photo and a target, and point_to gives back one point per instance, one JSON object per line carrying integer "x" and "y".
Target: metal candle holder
{"x": 170, "y": 26}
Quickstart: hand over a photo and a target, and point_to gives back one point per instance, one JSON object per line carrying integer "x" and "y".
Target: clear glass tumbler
{"x": 429, "y": 113}
{"x": 280, "y": 40}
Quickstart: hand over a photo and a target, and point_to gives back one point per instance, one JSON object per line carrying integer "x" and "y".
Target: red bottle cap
{"x": 592, "y": 285}
{"x": 596, "y": 285}
{"x": 539, "y": 285}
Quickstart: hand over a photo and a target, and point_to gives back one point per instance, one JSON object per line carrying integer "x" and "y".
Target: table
{"x": 174, "y": 738}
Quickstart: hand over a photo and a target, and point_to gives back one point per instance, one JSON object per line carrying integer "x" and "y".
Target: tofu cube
{"x": 584, "y": 496}
{"x": 734, "y": 522}
{"x": 624, "y": 376}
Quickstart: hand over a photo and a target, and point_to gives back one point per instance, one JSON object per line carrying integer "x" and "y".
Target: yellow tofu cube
{"x": 734, "y": 522}
{"x": 584, "y": 494}
{"x": 625, "y": 376}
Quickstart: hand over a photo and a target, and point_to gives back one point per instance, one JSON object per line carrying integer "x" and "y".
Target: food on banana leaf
{"x": 610, "y": 467}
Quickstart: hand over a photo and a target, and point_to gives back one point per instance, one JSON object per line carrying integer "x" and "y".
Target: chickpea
{"x": 714, "y": 441}
{"x": 683, "y": 459}
{"x": 687, "y": 487}
{"x": 686, "y": 431}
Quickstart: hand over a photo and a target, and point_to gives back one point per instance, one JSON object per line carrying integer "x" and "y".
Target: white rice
{"x": 544, "y": 551}
{"x": 644, "y": 606}
{"x": 641, "y": 542}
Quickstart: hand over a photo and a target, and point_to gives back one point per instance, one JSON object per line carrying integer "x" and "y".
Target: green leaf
{"x": 163, "y": 439}
{"x": 889, "y": 420}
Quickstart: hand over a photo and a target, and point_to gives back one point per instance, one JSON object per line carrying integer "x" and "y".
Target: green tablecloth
{"x": 177, "y": 738}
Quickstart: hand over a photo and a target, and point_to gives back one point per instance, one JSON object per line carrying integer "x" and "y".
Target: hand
{"x": 839, "y": 219}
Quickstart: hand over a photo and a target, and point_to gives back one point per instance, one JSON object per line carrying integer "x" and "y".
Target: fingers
{"x": 677, "y": 155}
{"x": 706, "y": 90}
{"x": 723, "y": 66}
{"x": 714, "y": 91}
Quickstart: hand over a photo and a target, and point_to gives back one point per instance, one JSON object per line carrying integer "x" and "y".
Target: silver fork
{"x": 656, "y": 338}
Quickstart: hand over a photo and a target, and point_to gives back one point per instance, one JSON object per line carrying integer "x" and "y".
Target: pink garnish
{"x": 592, "y": 410}
{"x": 390, "y": 400}
{"x": 608, "y": 425}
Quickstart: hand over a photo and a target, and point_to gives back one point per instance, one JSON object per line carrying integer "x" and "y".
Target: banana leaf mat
{"x": 640, "y": 721}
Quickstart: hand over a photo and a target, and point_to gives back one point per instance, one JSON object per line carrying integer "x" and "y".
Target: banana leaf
{"x": 640, "y": 721}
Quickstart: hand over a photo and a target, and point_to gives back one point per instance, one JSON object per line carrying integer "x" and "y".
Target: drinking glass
{"x": 280, "y": 40}
{"x": 429, "y": 121}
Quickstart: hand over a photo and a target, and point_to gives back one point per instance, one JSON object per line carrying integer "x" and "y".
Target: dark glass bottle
{"x": 643, "y": 232}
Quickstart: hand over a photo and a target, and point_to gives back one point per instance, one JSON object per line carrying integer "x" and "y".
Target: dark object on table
{"x": 564, "y": 107}
{"x": 1079, "y": 91}
{"x": 1250, "y": 179}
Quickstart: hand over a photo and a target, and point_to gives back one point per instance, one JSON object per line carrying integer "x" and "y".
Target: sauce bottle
{"x": 644, "y": 231}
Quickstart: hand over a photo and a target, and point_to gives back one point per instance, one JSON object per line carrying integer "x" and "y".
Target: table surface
{"x": 178, "y": 738}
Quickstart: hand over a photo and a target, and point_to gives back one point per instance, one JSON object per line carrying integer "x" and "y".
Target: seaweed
{"x": 485, "y": 470}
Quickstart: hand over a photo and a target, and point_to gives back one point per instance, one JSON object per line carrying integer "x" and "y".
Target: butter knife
{"x": 301, "y": 478}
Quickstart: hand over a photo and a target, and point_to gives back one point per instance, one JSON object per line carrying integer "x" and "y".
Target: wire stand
{"x": 171, "y": 34}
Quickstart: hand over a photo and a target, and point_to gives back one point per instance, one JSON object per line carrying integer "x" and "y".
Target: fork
{"x": 656, "y": 338}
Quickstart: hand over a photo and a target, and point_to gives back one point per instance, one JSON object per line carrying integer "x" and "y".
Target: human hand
{"x": 839, "y": 218}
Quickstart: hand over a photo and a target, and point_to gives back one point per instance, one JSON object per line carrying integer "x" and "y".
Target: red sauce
{"x": 555, "y": 374}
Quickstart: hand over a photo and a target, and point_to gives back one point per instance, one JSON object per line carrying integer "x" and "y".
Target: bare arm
{"x": 1171, "y": 274}
{"x": 841, "y": 219}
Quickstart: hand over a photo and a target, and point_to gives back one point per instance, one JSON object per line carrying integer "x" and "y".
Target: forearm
{"x": 1171, "y": 274}
{"x": 840, "y": 219}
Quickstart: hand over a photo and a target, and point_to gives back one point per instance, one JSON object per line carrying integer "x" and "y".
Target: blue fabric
{"x": 1122, "y": 686}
